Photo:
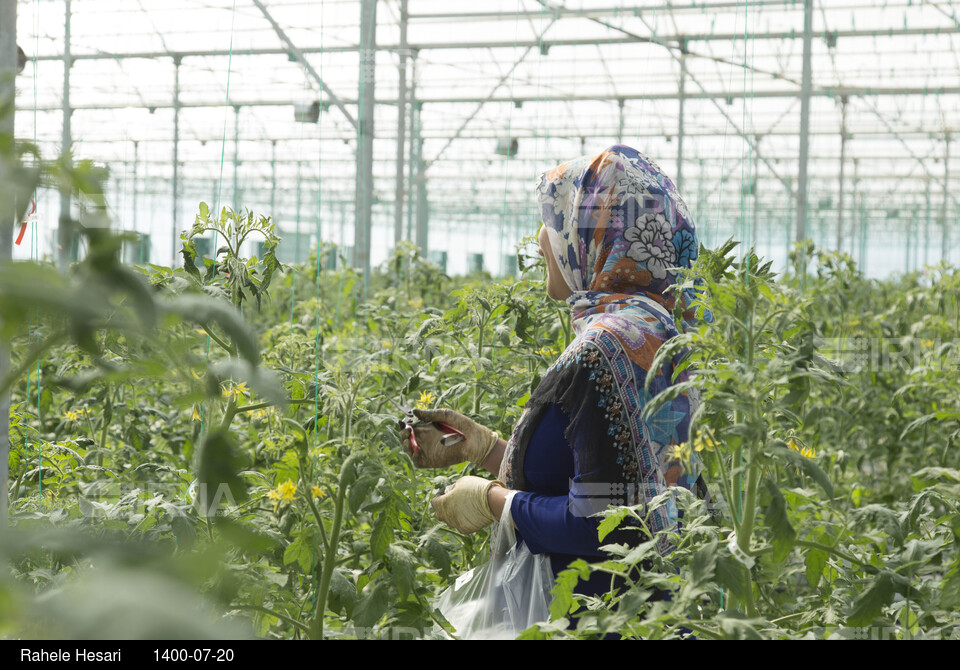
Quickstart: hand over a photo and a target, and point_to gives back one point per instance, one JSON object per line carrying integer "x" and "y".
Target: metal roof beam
{"x": 780, "y": 35}
{"x": 298, "y": 54}
{"x": 826, "y": 91}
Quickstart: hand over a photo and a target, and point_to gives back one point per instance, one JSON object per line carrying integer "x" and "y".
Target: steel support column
{"x": 8, "y": 70}
{"x": 176, "y": 162}
{"x": 804, "y": 120}
{"x": 926, "y": 227}
{"x": 756, "y": 194}
{"x": 273, "y": 181}
{"x": 423, "y": 215}
{"x": 366, "y": 97}
{"x": 843, "y": 162}
{"x": 235, "y": 200}
{"x": 944, "y": 227}
{"x": 401, "y": 126}
{"x": 134, "y": 219}
{"x": 411, "y": 163}
{"x": 66, "y": 234}
{"x": 620, "y": 103}
{"x": 681, "y": 98}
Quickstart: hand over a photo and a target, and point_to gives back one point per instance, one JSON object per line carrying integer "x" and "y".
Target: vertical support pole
{"x": 907, "y": 248}
{"x": 411, "y": 163}
{"x": 296, "y": 245}
{"x": 681, "y": 98}
{"x": 273, "y": 181}
{"x": 843, "y": 162}
{"x": 66, "y": 233}
{"x": 944, "y": 228}
{"x": 756, "y": 190}
{"x": 236, "y": 158}
{"x": 423, "y": 215}
{"x": 367, "y": 80}
{"x": 401, "y": 126}
{"x": 175, "y": 228}
{"x": 620, "y": 103}
{"x": 804, "y": 120}
{"x": 134, "y": 219}
{"x": 926, "y": 228}
{"x": 8, "y": 69}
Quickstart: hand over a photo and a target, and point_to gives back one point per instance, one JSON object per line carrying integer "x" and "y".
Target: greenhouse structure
{"x": 238, "y": 237}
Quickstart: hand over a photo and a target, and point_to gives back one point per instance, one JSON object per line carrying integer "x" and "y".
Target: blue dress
{"x": 544, "y": 514}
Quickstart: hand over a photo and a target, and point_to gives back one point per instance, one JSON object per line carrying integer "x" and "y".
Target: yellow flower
{"x": 927, "y": 343}
{"x": 546, "y": 351}
{"x": 75, "y": 415}
{"x": 196, "y": 414}
{"x": 704, "y": 443}
{"x": 386, "y": 344}
{"x": 286, "y": 492}
{"x": 238, "y": 391}
{"x": 807, "y": 452}
{"x": 318, "y": 492}
{"x": 195, "y": 375}
{"x": 681, "y": 452}
{"x": 425, "y": 401}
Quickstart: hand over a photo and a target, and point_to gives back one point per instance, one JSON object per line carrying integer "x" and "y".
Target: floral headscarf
{"x": 617, "y": 226}
{"x": 618, "y": 229}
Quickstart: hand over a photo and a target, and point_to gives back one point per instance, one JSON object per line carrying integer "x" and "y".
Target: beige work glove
{"x": 465, "y": 506}
{"x": 477, "y": 444}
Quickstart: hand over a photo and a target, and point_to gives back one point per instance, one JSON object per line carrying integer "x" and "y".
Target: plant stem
{"x": 222, "y": 343}
{"x": 228, "y": 414}
{"x": 476, "y": 387}
{"x": 257, "y": 608}
{"x": 866, "y": 567}
{"x": 329, "y": 560}
{"x": 103, "y": 432}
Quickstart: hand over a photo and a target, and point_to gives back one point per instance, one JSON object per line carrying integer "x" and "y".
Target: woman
{"x": 614, "y": 231}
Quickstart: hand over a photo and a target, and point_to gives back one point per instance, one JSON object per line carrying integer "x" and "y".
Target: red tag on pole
{"x": 23, "y": 226}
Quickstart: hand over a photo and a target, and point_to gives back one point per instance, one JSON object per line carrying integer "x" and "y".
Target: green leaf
{"x": 219, "y": 472}
{"x": 731, "y": 575}
{"x": 438, "y": 555}
{"x": 402, "y": 569}
{"x": 703, "y": 564}
{"x": 302, "y": 551}
{"x": 884, "y": 517}
{"x": 778, "y": 521}
{"x": 611, "y": 521}
{"x": 869, "y": 605}
{"x": 359, "y": 491}
{"x": 816, "y": 561}
{"x": 342, "y": 594}
{"x": 563, "y": 601}
{"x": 807, "y": 465}
{"x": 372, "y": 605}
{"x": 244, "y": 536}
{"x": 382, "y": 534}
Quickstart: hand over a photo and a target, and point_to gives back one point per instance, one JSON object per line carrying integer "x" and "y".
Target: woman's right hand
{"x": 477, "y": 444}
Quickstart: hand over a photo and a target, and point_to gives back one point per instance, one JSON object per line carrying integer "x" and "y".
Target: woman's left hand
{"x": 465, "y": 506}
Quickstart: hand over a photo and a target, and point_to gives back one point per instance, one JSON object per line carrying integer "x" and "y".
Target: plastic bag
{"x": 503, "y": 597}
